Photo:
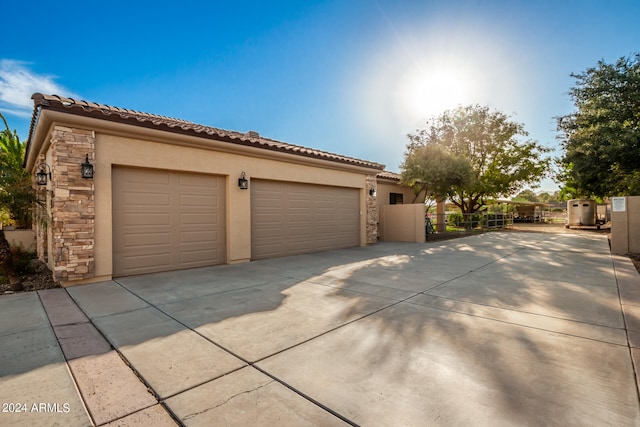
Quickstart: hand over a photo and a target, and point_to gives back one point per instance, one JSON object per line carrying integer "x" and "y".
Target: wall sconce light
{"x": 42, "y": 174}
{"x": 243, "y": 182}
{"x": 87, "y": 168}
{"x": 372, "y": 192}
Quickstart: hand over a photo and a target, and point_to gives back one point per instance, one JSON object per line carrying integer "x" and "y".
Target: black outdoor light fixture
{"x": 372, "y": 192}
{"x": 243, "y": 182}
{"x": 42, "y": 174}
{"x": 87, "y": 168}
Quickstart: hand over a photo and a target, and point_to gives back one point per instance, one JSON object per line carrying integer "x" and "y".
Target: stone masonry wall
{"x": 372, "y": 210}
{"x": 72, "y": 206}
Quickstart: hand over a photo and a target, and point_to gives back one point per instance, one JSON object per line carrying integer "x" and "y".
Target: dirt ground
{"x": 40, "y": 278}
{"x": 43, "y": 279}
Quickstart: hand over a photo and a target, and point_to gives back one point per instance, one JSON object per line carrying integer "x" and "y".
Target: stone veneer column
{"x": 372, "y": 210}
{"x": 72, "y": 207}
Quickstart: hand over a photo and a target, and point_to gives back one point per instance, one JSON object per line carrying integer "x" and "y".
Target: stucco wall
{"x": 403, "y": 223}
{"x": 384, "y": 189}
{"x": 625, "y": 227}
{"x": 21, "y": 238}
{"x": 117, "y": 150}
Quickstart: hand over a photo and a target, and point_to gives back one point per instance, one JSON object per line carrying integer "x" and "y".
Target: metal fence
{"x": 455, "y": 224}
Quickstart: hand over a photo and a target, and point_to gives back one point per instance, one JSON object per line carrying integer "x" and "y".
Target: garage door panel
{"x": 140, "y": 264}
{"x": 142, "y": 239}
{"x": 298, "y": 234}
{"x": 202, "y": 219}
{"x": 198, "y": 201}
{"x": 291, "y": 218}
{"x": 271, "y": 219}
{"x": 267, "y": 237}
{"x": 195, "y": 181}
{"x": 166, "y": 220}
{"x": 146, "y": 219}
{"x": 133, "y": 198}
{"x": 190, "y": 258}
{"x": 326, "y": 229}
{"x": 301, "y": 220}
{"x": 198, "y": 236}
{"x": 140, "y": 177}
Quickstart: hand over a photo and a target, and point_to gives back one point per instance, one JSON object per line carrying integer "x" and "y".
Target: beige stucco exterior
{"x": 21, "y": 238}
{"x": 386, "y": 186}
{"x": 122, "y": 144}
{"x": 625, "y": 225}
{"x": 403, "y": 223}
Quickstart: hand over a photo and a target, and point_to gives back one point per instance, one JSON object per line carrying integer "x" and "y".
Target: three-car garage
{"x": 166, "y": 193}
{"x": 168, "y": 220}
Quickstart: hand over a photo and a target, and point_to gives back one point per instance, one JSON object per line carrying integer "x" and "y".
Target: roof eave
{"x": 97, "y": 111}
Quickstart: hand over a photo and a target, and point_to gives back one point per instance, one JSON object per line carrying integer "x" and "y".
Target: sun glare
{"x": 427, "y": 92}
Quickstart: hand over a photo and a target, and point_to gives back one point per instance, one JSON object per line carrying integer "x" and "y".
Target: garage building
{"x": 168, "y": 194}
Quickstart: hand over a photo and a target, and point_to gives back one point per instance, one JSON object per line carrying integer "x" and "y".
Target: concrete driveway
{"x": 497, "y": 329}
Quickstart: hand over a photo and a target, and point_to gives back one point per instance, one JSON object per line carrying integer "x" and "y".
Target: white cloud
{"x": 18, "y": 83}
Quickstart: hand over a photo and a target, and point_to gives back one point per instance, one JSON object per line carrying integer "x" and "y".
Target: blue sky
{"x": 346, "y": 76}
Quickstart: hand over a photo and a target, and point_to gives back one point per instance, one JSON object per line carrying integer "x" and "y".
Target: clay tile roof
{"x": 388, "y": 175}
{"x": 137, "y": 118}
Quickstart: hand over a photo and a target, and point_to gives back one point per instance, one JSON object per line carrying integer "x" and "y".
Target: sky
{"x": 352, "y": 77}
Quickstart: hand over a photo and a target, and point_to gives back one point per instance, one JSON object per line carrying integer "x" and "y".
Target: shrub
{"x": 467, "y": 221}
{"x": 22, "y": 260}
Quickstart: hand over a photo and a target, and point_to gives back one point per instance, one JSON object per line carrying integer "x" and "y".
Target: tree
{"x": 488, "y": 142}
{"x": 435, "y": 171}
{"x": 527, "y": 196}
{"x": 545, "y": 197}
{"x": 601, "y": 138}
{"x": 16, "y": 193}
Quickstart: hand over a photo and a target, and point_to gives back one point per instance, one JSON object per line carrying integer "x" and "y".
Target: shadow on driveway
{"x": 496, "y": 329}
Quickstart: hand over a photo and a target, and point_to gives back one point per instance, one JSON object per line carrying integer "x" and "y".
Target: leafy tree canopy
{"x": 601, "y": 139}
{"x": 487, "y": 143}
{"x": 527, "y": 196}
{"x": 436, "y": 171}
{"x": 16, "y": 194}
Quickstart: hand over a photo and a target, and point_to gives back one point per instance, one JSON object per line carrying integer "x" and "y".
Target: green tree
{"x": 432, "y": 169}
{"x": 527, "y": 196}
{"x": 489, "y": 142}
{"x": 601, "y": 138}
{"x": 16, "y": 193}
{"x": 545, "y": 197}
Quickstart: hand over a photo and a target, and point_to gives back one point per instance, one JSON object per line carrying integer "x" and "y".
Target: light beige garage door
{"x": 166, "y": 220}
{"x": 290, "y": 218}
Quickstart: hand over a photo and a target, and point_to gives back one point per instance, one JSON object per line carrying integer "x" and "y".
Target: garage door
{"x": 166, "y": 220}
{"x": 290, "y": 218}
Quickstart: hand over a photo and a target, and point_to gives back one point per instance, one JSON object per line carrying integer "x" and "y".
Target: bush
{"x": 467, "y": 221}
{"x": 22, "y": 260}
